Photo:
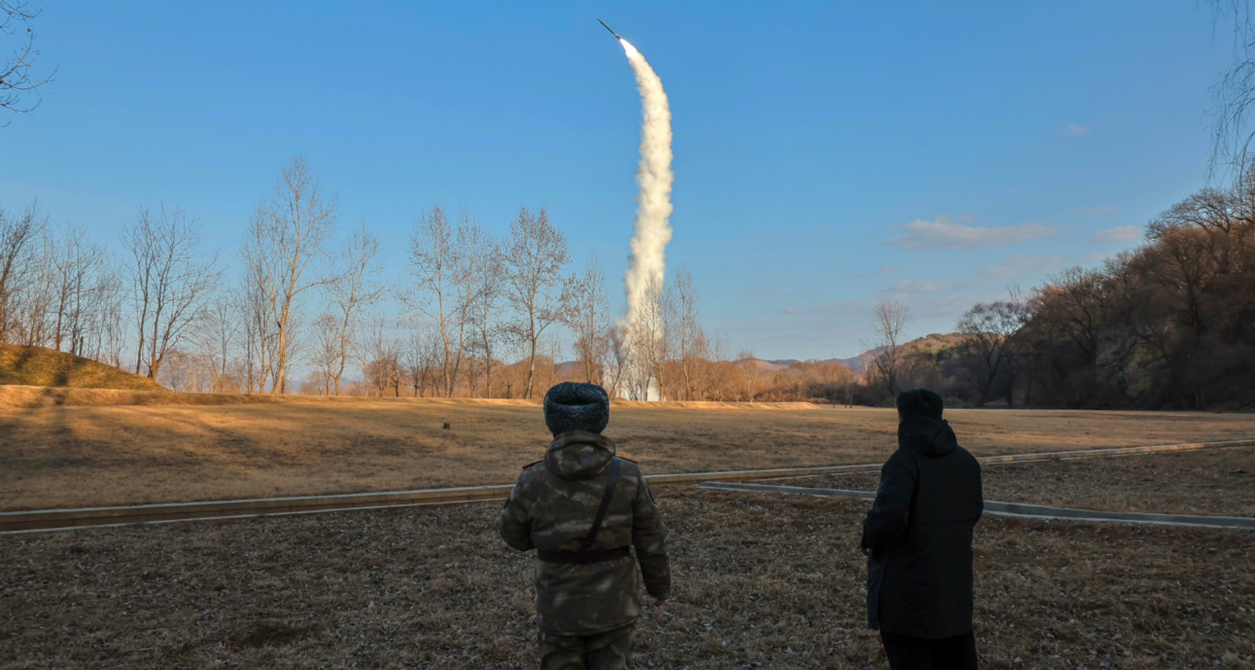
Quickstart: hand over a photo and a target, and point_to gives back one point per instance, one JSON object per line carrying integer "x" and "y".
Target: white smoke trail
{"x": 647, "y": 264}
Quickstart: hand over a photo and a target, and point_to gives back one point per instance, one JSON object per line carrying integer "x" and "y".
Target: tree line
{"x": 478, "y": 315}
{"x": 1170, "y": 324}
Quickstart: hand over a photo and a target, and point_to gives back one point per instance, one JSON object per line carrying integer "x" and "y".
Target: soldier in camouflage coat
{"x": 587, "y": 595}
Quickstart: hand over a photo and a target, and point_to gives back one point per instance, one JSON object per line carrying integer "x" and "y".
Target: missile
{"x": 603, "y": 25}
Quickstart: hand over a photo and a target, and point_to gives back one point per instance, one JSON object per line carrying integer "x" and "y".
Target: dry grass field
{"x": 74, "y": 455}
{"x": 1219, "y": 482}
{"x": 761, "y": 581}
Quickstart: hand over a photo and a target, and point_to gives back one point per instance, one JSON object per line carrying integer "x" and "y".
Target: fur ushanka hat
{"x": 574, "y": 406}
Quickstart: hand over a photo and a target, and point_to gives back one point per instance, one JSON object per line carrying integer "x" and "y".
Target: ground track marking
{"x": 1014, "y": 509}
{"x": 88, "y": 517}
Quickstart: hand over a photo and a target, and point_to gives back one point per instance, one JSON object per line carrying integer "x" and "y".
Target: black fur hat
{"x": 574, "y": 406}
{"x": 920, "y": 402}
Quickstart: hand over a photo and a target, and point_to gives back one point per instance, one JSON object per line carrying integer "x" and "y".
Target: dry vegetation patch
{"x": 760, "y": 581}
{"x": 1219, "y": 482}
{"x": 81, "y": 456}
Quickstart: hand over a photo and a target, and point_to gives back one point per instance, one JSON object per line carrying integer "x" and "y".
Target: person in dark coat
{"x": 918, "y": 539}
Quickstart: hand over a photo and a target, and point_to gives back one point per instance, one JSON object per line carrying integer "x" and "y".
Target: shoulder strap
{"x": 605, "y": 504}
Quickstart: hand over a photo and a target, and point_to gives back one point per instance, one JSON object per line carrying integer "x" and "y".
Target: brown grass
{"x": 74, "y": 456}
{"x": 760, "y": 581}
{"x": 1220, "y": 482}
{"x": 37, "y": 395}
{"x": 38, "y": 366}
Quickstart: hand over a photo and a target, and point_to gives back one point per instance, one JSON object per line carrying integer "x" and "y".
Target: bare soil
{"x": 761, "y": 581}
{"x": 1219, "y": 482}
{"x": 88, "y": 455}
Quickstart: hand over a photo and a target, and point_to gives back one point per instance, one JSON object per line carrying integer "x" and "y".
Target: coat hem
{"x": 588, "y": 631}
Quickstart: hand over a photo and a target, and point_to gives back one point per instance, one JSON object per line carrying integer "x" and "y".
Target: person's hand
{"x": 660, "y": 603}
{"x": 864, "y": 550}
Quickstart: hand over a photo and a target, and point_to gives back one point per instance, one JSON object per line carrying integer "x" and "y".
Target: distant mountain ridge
{"x": 932, "y": 343}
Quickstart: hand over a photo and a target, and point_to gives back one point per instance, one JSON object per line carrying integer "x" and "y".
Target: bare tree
{"x": 17, "y": 81}
{"x": 110, "y": 328}
{"x": 534, "y": 260}
{"x": 589, "y": 320}
{"x": 286, "y": 239}
{"x": 1234, "y": 92}
{"x": 382, "y": 356}
{"x": 438, "y": 270}
{"x": 170, "y": 282}
{"x": 476, "y": 263}
{"x": 482, "y": 315}
{"x": 219, "y": 334}
{"x": 720, "y": 373}
{"x": 691, "y": 339}
{"x": 20, "y": 236}
{"x": 420, "y": 358}
{"x": 619, "y": 346}
{"x": 76, "y": 264}
{"x": 1082, "y": 298}
{"x": 889, "y": 323}
{"x": 38, "y": 295}
{"x": 354, "y": 290}
{"x": 653, "y": 340}
{"x": 253, "y": 305}
{"x": 750, "y": 372}
{"x": 325, "y": 353}
{"x": 186, "y": 372}
{"x": 987, "y": 329}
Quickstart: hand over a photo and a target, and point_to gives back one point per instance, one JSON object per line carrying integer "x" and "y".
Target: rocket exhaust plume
{"x": 652, "y": 231}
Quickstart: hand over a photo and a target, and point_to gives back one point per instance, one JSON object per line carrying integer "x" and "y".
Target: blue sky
{"x": 828, "y": 155}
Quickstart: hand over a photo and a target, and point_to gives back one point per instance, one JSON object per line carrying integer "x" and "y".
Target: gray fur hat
{"x": 574, "y": 406}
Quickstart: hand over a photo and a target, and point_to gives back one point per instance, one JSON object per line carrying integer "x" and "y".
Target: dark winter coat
{"x": 919, "y": 532}
{"x": 552, "y": 508}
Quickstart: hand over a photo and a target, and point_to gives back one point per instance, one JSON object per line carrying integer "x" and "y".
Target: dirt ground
{"x": 1220, "y": 481}
{"x": 77, "y": 456}
{"x": 760, "y": 581}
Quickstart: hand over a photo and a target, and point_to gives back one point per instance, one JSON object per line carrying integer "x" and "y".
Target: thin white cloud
{"x": 1098, "y": 210}
{"x": 1001, "y": 272}
{"x": 920, "y": 286}
{"x": 831, "y": 307}
{"x": 1128, "y": 233}
{"x": 942, "y": 233}
{"x": 1016, "y": 265}
{"x": 887, "y": 270}
{"x": 1073, "y": 129}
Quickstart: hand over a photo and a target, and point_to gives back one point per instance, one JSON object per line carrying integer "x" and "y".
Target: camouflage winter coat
{"x": 552, "y": 508}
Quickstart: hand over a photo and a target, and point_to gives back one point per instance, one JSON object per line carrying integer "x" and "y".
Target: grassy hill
{"x": 37, "y": 366}
{"x": 934, "y": 343}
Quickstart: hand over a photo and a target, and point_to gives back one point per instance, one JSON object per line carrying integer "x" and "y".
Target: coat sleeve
{"x": 980, "y": 494}
{"x": 515, "y": 525}
{"x": 649, "y": 536}
{"x": 892, "y": 510}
